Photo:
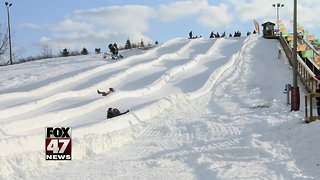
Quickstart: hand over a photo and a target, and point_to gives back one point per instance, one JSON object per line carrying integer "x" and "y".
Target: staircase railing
{"x": 307, "y": 69}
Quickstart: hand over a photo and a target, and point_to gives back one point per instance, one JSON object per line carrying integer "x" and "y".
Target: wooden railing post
{"x": 306, "y": 106}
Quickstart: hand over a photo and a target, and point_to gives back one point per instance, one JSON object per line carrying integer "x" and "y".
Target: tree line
{"x": 46, "y": 52}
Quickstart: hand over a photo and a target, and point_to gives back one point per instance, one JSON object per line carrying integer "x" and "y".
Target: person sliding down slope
{"x": 113, "y": 112}
{"x": 111, "y": 90}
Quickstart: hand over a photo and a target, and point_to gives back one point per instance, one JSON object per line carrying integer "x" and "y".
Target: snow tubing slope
{"x": 146, "y": 83}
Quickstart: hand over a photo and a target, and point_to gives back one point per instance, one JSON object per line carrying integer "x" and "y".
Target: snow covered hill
{"x": 199, "y": 109}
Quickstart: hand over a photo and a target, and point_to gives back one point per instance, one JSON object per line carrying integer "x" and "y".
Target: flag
{"x": 301, "y": 47}
{"x": 290, "y": 38}
{"x": 291, "y": 43}
{"x": 285, "y": 34}
{"x": 299, "y": 29}
{"x": 310, "y": 37}
{"x": 304, "y": 33}
{"x": 317, "y": 60}
{"x": 283, "y": 29}
{"x": 281, "y": 25}
{"x": 257, "y": 26}
{"x": 316, "y": 41}
{"x": 307, "y": 53}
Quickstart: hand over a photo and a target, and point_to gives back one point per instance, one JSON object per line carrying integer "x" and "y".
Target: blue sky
{"x": 70, "y": 24}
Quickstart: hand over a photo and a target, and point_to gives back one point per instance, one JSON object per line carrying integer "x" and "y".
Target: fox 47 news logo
{"x": 58, "y": 143}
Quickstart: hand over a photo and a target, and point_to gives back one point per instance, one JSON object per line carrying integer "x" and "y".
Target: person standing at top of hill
{"x": 190, "y": 35}
{"x": 212, "y": 35}
{"x": 116, "y": 48}
{"x": 113, "y": 49}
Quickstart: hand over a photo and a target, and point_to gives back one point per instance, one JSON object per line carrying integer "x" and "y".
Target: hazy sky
{"x": 75, "y": 24}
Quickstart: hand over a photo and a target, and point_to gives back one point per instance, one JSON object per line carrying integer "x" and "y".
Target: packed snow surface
{"x": 199, "y": 109}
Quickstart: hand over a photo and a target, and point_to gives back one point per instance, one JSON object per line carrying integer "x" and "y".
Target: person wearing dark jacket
{"x": 190, "y": 35}
{"x": 113, "y": 49}
{"x": 116, "y": 48}
{"x": 105, "y": 93}
{"x": 113, "y": 112}
{"x": 212, "y": 34}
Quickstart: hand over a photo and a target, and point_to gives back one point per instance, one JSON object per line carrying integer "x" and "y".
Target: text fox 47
{"x": 58, "y": 143}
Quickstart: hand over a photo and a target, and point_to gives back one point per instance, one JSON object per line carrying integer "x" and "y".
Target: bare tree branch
{"x": 4, "y": 40}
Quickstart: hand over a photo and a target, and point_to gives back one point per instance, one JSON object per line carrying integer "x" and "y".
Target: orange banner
{"x": 299, "y": 29}
{"x": 257, "y": 26}
{"x": 301, "y": 47}
{"x": 310, "y": 37}
{"x": 290, "y": 38}
{"x": 317, "y": 60}
{"x": 283, "y": 29}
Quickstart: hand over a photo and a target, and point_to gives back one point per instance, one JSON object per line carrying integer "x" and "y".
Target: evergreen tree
{"x": 141, "y": 43}
{"x": 65, "y": 52}
{"x": 156, "y": 42}
{"x": 84, "y": 51}
{"x": 128, "y": 45}
{"x": 97, "y": 50}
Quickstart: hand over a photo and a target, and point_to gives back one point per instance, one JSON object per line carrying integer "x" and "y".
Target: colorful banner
{"x": 307, "y": 53}
{"x": 299, "y": 29}
{"x": 291, "y": 43}
{"x": 257, "y": 26}
{"x": 301, "y": 47}
{"x": 304, "y": 33}
{"x": 281, "y": 25}
{"x": 310, "y": 37}
{"x": 290, "y": 38}
{"x": 316, "y": 41}
{"x": 317, "y": 60}
{"x": 283, "y": 29}
{"x": 285, "y": 34}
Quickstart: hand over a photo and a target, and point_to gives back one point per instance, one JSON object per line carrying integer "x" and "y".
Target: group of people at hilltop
{"x": 217, "y": 35}
{"x": 193, "y": 37}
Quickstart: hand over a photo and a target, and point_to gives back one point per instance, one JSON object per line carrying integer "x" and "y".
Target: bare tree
{"x": 4, "y": 47}
{"x": 4, "y": 40}
{"x": 46, "y": 52}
